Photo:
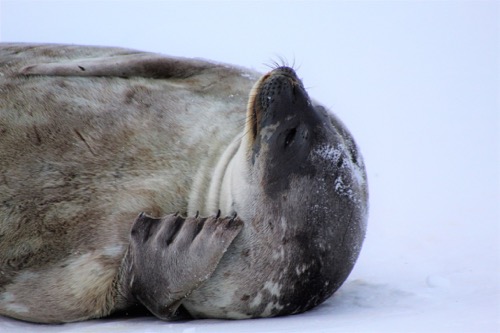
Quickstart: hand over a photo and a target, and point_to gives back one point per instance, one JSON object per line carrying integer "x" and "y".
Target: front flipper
{"x": 170, "y": 257}
{"x": 148, "y": 65}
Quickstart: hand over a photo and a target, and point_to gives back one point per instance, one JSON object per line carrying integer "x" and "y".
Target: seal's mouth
{"x": 278, "y": 86}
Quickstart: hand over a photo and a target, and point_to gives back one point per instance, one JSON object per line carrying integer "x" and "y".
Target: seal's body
{"x": 91, "y": 137}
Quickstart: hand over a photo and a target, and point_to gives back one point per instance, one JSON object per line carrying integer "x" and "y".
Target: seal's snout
{"x": 281, "y": 84}
{"x": 277, "y": 96}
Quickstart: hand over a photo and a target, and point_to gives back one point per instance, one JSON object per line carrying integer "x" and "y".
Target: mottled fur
{"x": 80, "y": 157}
{"x": 90, "y": 137}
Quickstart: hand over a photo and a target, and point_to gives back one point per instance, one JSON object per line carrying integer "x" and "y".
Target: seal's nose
{"x": 278, "y": 98}
{"x": 282, "y": 94}
{"x": 280, "y": 84}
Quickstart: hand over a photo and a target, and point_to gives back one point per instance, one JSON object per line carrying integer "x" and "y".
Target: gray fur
{"x": 90, "y": 137}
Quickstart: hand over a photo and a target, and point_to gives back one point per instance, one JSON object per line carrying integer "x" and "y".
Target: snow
{"x": 417, "y": 83}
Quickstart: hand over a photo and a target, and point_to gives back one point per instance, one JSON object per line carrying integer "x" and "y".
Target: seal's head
{"x": 298, "y": 183}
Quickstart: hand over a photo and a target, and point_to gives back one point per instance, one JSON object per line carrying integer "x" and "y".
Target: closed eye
{"x": 290, "y": 136}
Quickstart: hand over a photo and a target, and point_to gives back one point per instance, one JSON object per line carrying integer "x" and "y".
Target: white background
{"x": 418, "y": 85}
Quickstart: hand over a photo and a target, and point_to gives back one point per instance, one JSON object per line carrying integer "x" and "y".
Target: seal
{"x": 184, "y": 186}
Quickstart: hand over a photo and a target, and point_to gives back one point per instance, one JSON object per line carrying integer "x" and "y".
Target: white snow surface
{"x": 417, "y": 83}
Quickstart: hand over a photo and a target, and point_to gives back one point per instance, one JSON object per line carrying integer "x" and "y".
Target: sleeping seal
{"x": 180, "y": 185}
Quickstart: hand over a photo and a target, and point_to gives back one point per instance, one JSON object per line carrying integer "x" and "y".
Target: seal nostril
{"x": 290, "y": 136}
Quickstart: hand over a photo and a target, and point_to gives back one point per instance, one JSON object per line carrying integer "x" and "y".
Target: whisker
{"x": 282, "y": 61}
